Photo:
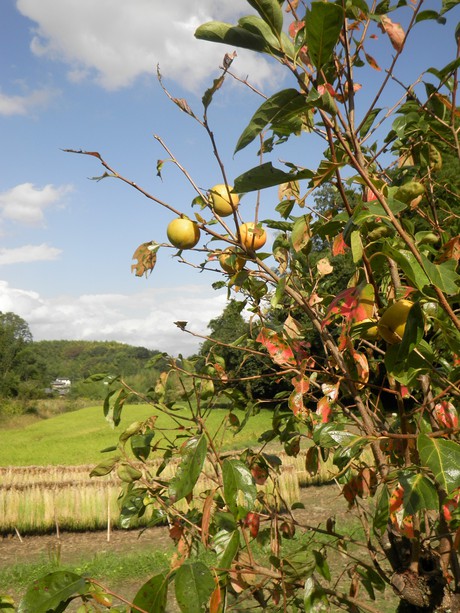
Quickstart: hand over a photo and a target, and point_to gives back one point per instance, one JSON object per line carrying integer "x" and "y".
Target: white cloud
{"x": 116, "y": 41}
{"x": 23, "y": 105}
{"x": 143, "y": 319}
{"x": 28, "y": 253}
{"x": 25, "y": 203}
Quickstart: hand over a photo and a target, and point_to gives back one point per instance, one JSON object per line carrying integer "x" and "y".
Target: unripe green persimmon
{"x": 392, "y": 324}
{"x": 183, "y": 233}
{"x": 409, "y": 191}
{"x": 220, "y": 202}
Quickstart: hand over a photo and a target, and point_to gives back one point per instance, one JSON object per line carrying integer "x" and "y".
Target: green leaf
{"x": 104, "y": 468}
{"x": 323, "y": 24}
{"x": 356, "y": 246}
{"x": 226, "y": 545}
{"x": 408, "y": 370}
{"x": 442, "y": 275}
{"x": 132, "y": 506}
{"x": 442, "y": 457}
{"x": 219, "y": 32}
{"x": 128, "y": 473}
{"x": 280, "y": 106}
{"x": 141, "y": 445}
{"x": 257, "y": 26}
{"x": 413, "y": 332}
{"x": 425, "y": 15}
{"x": 152, "y": 596}
{"x": 271, "y": 13}
{"x": 193, "y": 455}
{"x": 368, "y": 121}
{"x": 321, "y": 565}
{"x": 48, "y": 592}
{"x": 113, "y": 405}
{"x": 315, "y": 600}
{"x": 301, "y": 234}
{"x": 329, "y": 435}
{"x": 419, "y": 493}
{"x": 266, "y": 175}
{"x": 382, "y": 512}
{"x": 240, "y": 491}
{"x": 409, "y": 265}
{"x": 447, "y": 5}
{"x": 194, "y": 585}
{"x": 209, "y": 93}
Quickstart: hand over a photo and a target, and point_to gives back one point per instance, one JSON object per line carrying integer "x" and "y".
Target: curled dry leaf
{"x": 146, "y": 256}
{"x": 395, "y": 32}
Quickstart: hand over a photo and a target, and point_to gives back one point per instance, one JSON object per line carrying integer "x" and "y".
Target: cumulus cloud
{"x": 26, "y": 203}
{"x": 28, "y": 253}
{"x": 24, "y": 104}
{"x": 114, "y": 41}
{"x": 144, "y": 319}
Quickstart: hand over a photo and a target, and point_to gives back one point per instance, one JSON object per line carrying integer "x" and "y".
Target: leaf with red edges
{"x": 280, "y": 352}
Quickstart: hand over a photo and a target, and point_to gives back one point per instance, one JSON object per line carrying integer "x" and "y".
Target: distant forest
{"x": 77, "y": 360}
{"x": 28, "y": 368}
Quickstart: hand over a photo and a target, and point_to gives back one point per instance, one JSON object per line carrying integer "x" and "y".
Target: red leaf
{"x": 339, "y": 246}
{"x": 369, "y": 195}
{"x": 446, "y": 414}
{"x": 353, "y": 304}
{"x": 280, "y": 352}
{"x": 215, "y": 601}
{"x": 295, "y": 27}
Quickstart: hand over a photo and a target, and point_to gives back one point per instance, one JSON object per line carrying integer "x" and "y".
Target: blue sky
{"x": 81, "y": 74}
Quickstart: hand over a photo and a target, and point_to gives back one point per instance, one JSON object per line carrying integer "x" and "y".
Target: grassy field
{"x": 78, "y": 437}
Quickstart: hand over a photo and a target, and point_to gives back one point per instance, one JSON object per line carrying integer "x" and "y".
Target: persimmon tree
{"x": 372, "y": 371}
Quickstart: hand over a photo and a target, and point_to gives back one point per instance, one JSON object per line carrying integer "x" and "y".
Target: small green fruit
{"x": 407, "y": 192}
{"x": 392, "y": 324}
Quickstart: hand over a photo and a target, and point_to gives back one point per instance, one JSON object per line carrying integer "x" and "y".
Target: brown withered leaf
{"x": 371, "y": 61}
{"x": 395, "y": 32}
{"x": 450, "y": 251}
{"x": 146, "y": 256}
{"x": 292, "y": 5}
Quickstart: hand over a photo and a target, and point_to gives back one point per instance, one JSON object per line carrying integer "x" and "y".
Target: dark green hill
{"x": 78, "y": 360}
{"x": 45, "y": 361}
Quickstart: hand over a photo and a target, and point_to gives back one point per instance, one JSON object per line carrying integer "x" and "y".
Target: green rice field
{"x": 78, "y": 437}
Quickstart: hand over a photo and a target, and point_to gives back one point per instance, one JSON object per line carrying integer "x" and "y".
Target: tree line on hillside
{"x": 28, "y": 367}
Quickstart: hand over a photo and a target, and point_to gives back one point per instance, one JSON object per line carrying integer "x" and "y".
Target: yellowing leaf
{"x": 324, "y": 267}
{"x": 395, "y": 32}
